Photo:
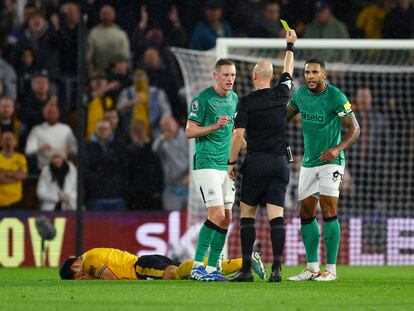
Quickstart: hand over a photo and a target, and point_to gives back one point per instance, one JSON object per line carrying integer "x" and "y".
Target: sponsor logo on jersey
{"x": 195, "y": 106}
{"x": 313, "y": 118}
{"x": 211, "y": 192}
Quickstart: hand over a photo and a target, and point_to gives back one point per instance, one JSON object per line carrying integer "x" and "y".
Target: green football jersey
{"x": 321, "y": 124}
{"x": 213, "y": 150}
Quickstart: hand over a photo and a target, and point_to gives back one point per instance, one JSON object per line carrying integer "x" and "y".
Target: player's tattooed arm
{"x": 352, "y": 134}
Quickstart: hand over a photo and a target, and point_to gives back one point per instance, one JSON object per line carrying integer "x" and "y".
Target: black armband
{"x": 290, "y": 47}
{"x": 231, "y": 163}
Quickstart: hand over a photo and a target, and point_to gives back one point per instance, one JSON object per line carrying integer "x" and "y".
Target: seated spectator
{"x": 327, "y": 26}
{"x": 162, "y": 75}
{"x": 118, "y": 78}
{"x": 120, "y": 136}
{"x": 31, "y": 107}
{"x": 206, "y": 32}
{"x": 172, "y": 148}
{"x": 370, "y": 20}
{"x": 106, "y": 171}
{"x": 8, "y": 118}
{"x": 145, "y": 103}
{"x": 249, "y": 10}
{"x": 57, "y": 185}
{"x": 67, "y": 45}
{"x": 42, "y": 40}
{"x": 269, "y": 24}
{"x": 13, "y": 171}
{"x": 152, "y": 35}
{"x": 99, "y": 101}
{"x": 399, "y": 22}
{"x": 26, "y": 71}
{"x": 106, "y": 42}
{"x": 145, "y": 173}
{"x": 50, "y": 135}
{"x": 8, "y": 78}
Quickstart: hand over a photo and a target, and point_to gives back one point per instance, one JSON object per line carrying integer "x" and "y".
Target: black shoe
{"x": 242, "y": 277}
{"x": 276, "y": 275}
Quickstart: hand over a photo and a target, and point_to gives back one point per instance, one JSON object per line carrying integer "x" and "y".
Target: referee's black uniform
{"x": 263, "y": 115}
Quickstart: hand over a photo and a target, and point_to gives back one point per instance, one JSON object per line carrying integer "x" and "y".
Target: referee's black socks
{"x": 277, "y": 235}
{"x": 247, "y": 238}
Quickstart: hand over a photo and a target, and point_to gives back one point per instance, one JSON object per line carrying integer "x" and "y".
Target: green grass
{"x": 359, "y": 288}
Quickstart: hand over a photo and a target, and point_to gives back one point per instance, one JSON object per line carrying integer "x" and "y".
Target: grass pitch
{"x": 359, "y": 288}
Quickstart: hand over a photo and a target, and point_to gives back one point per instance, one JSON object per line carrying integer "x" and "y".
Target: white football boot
{"x": 305, "y": 275}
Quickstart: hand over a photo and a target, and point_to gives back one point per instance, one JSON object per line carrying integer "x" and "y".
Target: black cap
{"x": 42, "y": 73}
{"x": 320, "y": 6}
{"x": 213, "y": 4}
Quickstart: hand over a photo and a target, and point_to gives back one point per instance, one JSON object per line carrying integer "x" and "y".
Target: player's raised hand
{"x": 329, "y": 154}
{"x": 222, "y": 120}
{"x": 291, "y": 36}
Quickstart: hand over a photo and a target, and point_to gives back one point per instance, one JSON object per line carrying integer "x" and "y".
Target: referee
{"x": 261, "y": 115}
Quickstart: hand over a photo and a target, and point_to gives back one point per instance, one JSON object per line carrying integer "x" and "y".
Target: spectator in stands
{"x": 42, "y": 40}
{"x": 57, "y": 185}
{"x": 399, "y": 22}
{"x": 269, "y": 25}
{"x": 152, "y": 35}
{"x": 162, "y": 74}
{"x": 99, "y": 101}
{"x": 145, "y": 173}
{"x": 106, "y": 175}
{"x": 67, "y": 43}
{"x": 26, "y": 70}
{"x": 8, "y": 117}
{"x": 370, "y": 20}
{"x": 8, "y": 78}
{"x": 118, "y": 78}
{"x": 31, "y": 107}
{"x": 172, "y": 148}
{"x": 50, "y": 135}
{"x": 106, "y": 42}
{"x": 120, "y": 136}
{"x": 207, "y": 31}
{"x": 7, "y": 13}
{"x": 143, "y": 102}
{"x": 327, "y": 26}
{"x": 250, "y": 10}
{"x": 13, "y": 171}
{"x": 366, "y": 157}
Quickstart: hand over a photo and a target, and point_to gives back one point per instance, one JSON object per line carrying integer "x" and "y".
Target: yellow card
{"x": 285, "y": 25}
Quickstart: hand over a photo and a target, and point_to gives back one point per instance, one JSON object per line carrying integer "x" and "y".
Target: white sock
{"x": 211, "y": 269}
{"x": 197, "y": 264}
{"x": 331, "y": 268}
{"x": 313, "y": 266}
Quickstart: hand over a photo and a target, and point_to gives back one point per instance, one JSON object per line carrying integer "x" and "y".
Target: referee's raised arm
{"x": 290, "y": 49}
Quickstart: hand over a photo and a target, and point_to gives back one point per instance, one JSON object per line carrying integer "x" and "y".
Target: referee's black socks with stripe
{"x": 247, "y": 238}
{"x": 277, "y": 235}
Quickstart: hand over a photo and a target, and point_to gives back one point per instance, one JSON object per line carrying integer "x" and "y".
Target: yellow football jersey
{"x": 11, "y": 193}
{"x": 121, "y": 263}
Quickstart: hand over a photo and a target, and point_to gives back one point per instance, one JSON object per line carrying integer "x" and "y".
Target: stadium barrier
{"x": 166, "y": 233}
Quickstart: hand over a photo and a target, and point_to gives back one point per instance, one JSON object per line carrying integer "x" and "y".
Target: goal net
{"x": 376, "y": 208}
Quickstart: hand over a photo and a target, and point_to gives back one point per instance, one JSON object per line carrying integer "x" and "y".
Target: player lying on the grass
{"x": 114, "y": 264}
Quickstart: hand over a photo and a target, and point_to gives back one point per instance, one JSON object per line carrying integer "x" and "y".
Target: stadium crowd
{"x": 136, "y": 150}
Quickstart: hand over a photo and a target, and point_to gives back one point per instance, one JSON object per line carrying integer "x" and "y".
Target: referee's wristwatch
{"x": 232, "y": 162}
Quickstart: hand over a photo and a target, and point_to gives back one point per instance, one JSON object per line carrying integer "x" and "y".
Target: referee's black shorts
{"x": 265, "y": 178}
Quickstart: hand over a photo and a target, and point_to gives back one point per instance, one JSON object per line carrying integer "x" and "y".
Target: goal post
{"x": 376, "y": 206}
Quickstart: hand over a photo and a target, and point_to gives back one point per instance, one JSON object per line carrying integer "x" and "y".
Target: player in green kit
{"x": 324, "y": 110}
{"x": 210, "y": 122}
